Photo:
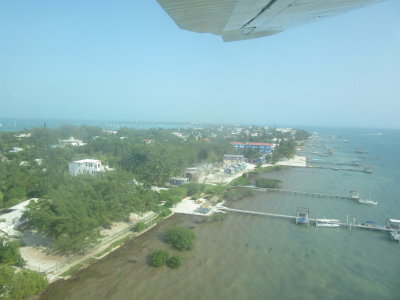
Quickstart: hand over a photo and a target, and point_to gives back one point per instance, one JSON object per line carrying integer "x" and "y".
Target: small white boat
{"x": 395, "y": 235}
{"x": 327, "y": 223}
{"x": 366, "y": 201}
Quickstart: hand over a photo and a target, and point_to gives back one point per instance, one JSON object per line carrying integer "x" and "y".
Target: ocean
{"x": 252, "y": 257}
{"x": 11, "y": 124}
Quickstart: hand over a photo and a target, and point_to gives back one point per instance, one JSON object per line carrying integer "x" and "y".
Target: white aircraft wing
{"x": 246, "y": 19}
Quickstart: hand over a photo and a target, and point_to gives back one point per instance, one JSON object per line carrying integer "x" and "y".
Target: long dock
{"x": 340, "y": 169}
{"x": 280, "y": 216}
{"x": 307, "y": 194}
{"x": 321, "y": 162}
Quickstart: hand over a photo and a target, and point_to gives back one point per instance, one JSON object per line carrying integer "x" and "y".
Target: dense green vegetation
{"x": 181, "y": 238}
{"x": 41, "y": 166}
{"x": 15, "y": 283}
{"x": 78, "y": 207}
{"x": 242, "y": 180}
{"x": 21, "y": 284}
{"x": 236, "y": 194}
{"x": 140, "y": 226}
{"x": 9, "y": 253}
{"x": 174, "y": 262}
{"x": 216, "y": 217}
{"x": 285, "y": 149}
{"x": 268, "y": 183}
{"x": 159, "y": 258}
{"x": 268, "y": 169}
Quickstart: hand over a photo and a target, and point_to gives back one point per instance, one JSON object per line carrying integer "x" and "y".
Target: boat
{"x": 366, "y": 201}
{"x": 395, "y": 235}
{"x": 327, "y": 223}
{"x": 394, "y": 225}
{"x": 360, "y": 150}
{"x": 373, "y": 225}
{"x": 367, "y": 169}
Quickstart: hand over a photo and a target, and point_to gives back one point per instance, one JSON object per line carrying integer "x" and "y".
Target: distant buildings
{"x": 192, "y": 174}
{"x": 179, "y": 135}
{"x": 178, "y": 180}
{"x": 16, "y": 149}
{"x": 71, "y": 141}
{"x": 232, "y": 159}
{"x": 87, "y": 166}
{"x": 261, "y": 147}
{"x": 285, "y": 130}
{"x": 23, "y": 135}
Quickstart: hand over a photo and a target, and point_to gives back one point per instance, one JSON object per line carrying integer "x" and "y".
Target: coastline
{"x": 134, "y": 252}
{"x": 54, "y": 266}
{"x": 90, "y": 258}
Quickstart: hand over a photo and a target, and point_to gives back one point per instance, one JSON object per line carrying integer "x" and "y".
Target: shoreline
{"x": 90, "y": 258}
{"x": 53, "y": 266}
{"x": 137, "y": 257}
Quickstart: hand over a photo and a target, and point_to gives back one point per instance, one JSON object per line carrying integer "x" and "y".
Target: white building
{"x": 11, "y": 218}
{"x": 86, "y": 166}
{"x": 71, "y": 141}
{"x": 232, "y": 159}
{"x": 23, "y": 135}
{"x": 16, "y": 149}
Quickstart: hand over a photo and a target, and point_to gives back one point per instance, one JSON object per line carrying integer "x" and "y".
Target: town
{"x": 69, "y": 193}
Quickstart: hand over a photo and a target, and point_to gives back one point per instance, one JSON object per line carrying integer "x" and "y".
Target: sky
{"x": 127, "y": 60}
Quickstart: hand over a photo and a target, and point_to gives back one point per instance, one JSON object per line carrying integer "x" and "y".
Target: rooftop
{"x": 88, "y": 161}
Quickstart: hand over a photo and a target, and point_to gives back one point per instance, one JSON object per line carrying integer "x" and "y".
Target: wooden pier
{"x": 307, "y": 194}
{"x": 340, "y": 169}
{"x": 288, "y": 217}
{"x": 322, "y": 162}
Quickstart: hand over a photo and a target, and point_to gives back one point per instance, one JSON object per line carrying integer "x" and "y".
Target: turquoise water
{"x": 249, "y": 257}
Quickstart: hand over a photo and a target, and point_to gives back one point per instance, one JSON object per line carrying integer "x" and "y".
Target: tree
{"x": 181, "y": 238}
{"x": 140, "y": 226}
{"x": 9, "y": 253}
{"x": 268, "y": 183}
{"x": 174, "y": 262}
{"x": 159, "y": 258}
{"x": 16, "y": 285}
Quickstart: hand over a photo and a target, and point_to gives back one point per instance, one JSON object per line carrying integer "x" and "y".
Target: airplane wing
{"x": 237, "y": 20}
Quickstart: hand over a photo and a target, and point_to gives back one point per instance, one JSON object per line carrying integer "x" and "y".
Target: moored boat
{"x": 327, "y": 222}
{"x": 367, "y": 201}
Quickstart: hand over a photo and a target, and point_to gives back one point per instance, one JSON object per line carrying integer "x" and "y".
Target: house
{"x": 16, "y": 149}
{"x": 71, "y": 141}
{"x": 23, "y": 135}
{"x": 87, "y": 166}
{"x": 178, "y": 180}
{"x": 192, "y": 174}
{"x": 262, "y": 147}
{"x": 10, "y": 218}
{"x": 233, "y": 159}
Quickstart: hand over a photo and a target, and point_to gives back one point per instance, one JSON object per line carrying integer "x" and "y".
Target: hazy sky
{"x": 127, "y": 60}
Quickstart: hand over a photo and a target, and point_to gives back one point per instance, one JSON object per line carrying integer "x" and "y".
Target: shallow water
{"x": 249, "y": 257}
